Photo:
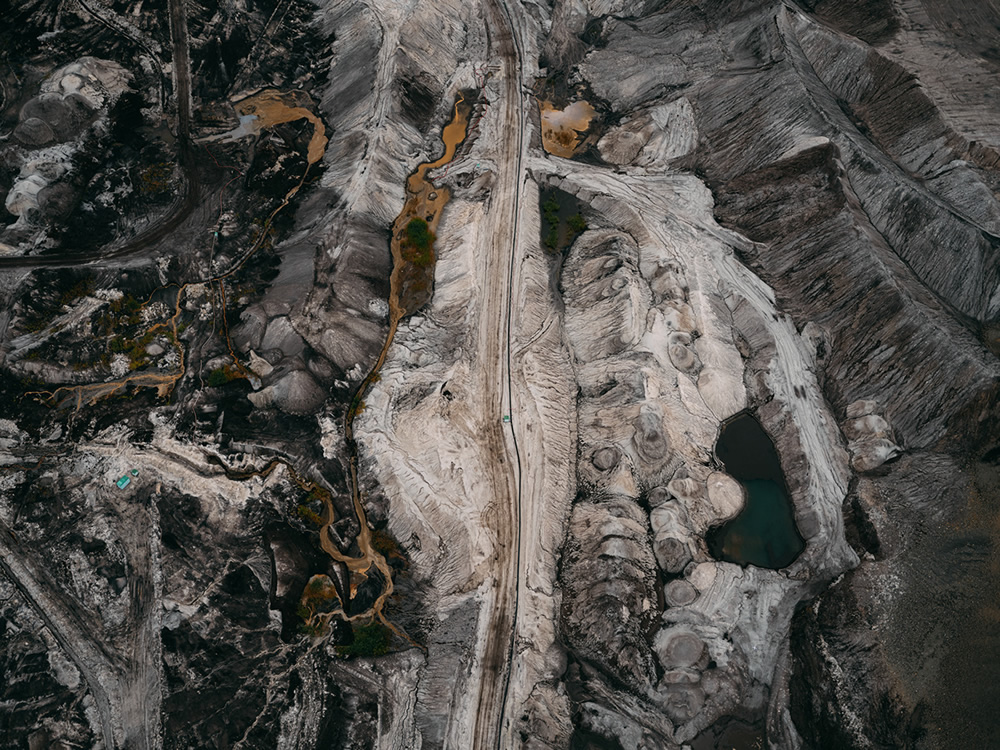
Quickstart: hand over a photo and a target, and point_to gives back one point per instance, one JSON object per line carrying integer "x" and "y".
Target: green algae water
{"x": 764, "y": 533}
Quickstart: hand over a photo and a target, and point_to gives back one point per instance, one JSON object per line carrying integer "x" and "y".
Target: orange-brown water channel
{"x": 272, "y": 107}
{"x": 408, "y": 290}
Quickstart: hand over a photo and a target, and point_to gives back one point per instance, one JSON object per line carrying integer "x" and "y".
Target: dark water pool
{"x": 764, "y": 533}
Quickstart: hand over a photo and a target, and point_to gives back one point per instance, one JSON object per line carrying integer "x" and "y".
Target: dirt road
{"x": 493, "y": 376}
{"x": 67, "y": 623}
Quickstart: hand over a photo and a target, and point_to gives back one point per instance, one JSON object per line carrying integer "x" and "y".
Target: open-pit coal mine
{"x": 543, "y": 374}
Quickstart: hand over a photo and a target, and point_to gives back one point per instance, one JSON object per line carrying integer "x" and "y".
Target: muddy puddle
{"x": 563, "y": 130}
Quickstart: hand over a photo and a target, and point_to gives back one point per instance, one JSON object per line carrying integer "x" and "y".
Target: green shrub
{"x": 313, "y": 630}
{"x": 418, "y": 246}
{"x": 318, "y": 493}
{"x": 577, "y": 223}
{"x": 218, "y": 376}
{"x": 304, "y": 511}
{"x": 418, "y": 233}
{"x": 137, "y": 353}
{"x": 126, "y": 303}
{"x": 386, "y": 544}
{"x": 81, "y": 289}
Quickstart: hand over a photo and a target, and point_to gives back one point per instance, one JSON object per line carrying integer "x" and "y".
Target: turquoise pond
{"x": 764, "y": 533}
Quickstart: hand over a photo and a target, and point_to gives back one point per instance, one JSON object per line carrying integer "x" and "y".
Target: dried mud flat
{"x": 446, "y": 309}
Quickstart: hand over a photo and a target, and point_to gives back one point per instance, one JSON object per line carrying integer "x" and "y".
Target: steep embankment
{"x": 864, "y": 195}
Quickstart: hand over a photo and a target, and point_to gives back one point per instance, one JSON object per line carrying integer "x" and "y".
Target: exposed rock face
{"x": 653, "y": 139}
{"x": 73, "y": 98}
{"x": 606, "y": 304}
{"x": 295, "y": 393}
{"x": 854, "y": 183}
{"x": 882, "y": 317}
{"x": 869, "y": 437}
{"x": 650, "y": 398}
{"x": 610, "y": 577}
{"x": 849, "y": 182}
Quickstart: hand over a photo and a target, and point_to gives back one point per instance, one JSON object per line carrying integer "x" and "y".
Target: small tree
{"x": 217, "y": 377}
{"x": 419, "y": 234}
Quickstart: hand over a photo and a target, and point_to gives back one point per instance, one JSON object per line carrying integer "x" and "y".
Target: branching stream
{"x": 409, "y": 289}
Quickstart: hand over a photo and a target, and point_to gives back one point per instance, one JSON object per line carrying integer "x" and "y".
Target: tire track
{"x": 498, "y": 652}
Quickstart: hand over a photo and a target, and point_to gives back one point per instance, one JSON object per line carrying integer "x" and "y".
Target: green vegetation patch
{"x": 559, "y": 230}
{"x": 222, "y": 375}
{"x": 418, "y": 245}
{"x": 369, "y": 640}
{"x": 217, "y": 377}
{"x": 386, "y": 544}
{"x": 318, "y": 598}
{"x": 307, "y": 513}
{"x": 121, "y": 312}
{"x": 550, "y": 214}
{"x": 306, "y": 509}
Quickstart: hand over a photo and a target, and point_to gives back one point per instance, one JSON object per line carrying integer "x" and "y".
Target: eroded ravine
{"x": 410, "y": 285}
{"x": 423, "y": 201}
{"x": 409, "y": 288}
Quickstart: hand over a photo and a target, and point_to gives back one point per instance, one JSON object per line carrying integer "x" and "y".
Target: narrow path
{"x": 182, "y": 74}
